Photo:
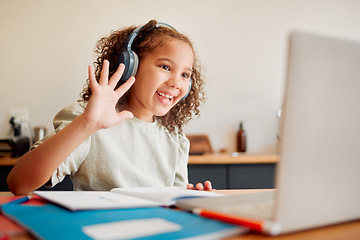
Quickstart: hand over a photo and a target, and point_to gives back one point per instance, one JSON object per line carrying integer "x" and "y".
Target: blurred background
{"x": 46, "y": 47}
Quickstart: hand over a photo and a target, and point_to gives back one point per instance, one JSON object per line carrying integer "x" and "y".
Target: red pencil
{"x": 262, "y": 226}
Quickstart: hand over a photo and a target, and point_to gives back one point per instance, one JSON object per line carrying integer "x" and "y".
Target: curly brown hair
{"x": 150, "y": 37}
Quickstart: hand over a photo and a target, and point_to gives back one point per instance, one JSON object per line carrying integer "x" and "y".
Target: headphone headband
{"x": 136, "y": 31}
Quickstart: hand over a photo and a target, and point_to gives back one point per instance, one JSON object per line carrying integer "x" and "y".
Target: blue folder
{"x": 51, "y": 221}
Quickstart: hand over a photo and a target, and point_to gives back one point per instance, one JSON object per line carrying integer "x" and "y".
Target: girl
{"x": 123, "y": 134}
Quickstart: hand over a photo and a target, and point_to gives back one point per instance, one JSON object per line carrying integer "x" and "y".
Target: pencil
{"x": 261, "y": 226}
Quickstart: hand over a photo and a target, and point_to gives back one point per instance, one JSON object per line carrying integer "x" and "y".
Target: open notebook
{"x": 319, "y": 170}
{"x": 122, "y": 197}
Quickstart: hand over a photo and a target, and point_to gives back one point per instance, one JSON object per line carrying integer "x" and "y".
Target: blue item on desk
{"x": 50, "y": 221}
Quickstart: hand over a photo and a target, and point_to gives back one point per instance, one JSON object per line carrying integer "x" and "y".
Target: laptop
{"x": 317, "y": 179}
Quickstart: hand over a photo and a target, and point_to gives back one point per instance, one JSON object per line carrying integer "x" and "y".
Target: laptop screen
{"x": 319, "y": 169}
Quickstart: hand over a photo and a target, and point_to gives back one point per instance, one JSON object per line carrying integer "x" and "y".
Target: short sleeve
{"x": 72, "y": 163}
{"x": 61, "y": 120}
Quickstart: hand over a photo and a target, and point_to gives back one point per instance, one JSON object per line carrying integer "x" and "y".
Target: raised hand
{"x": 100, "y": 111}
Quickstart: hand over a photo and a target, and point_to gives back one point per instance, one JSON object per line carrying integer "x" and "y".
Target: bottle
{"x": 241, "y": 139}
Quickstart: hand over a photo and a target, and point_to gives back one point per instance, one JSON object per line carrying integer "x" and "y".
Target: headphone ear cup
{"x": 188, "y": 91}
{"x": 131, "y": 61}
{"x": 125, "y": 58}
{"x": 136, "y": 64}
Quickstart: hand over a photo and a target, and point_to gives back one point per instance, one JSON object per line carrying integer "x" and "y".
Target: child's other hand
{"x": 207, "y": 186}
{"x": 100, "y": 111}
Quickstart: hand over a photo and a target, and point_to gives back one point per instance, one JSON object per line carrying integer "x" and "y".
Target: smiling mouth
{"x": 165, "y": 96}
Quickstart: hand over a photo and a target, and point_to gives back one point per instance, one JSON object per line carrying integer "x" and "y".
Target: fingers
{"x": 113, "y": 80}
{"x": 208, "y": 186}
{"x": 91, "y": 73}
{"x": 117, "y": 76}
{"x": 104, "y": 74}
{"x": 125, "y": 86}
{"x": 199, "y": 186}
{"x": 125, "y": 115}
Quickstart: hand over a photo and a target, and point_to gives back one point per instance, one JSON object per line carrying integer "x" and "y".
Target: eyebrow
{"x": 172, "y": 62}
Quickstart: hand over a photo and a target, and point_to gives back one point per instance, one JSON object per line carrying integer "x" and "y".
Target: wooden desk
{"x": 234, "y": 158}
{"x": 348, "y": 231}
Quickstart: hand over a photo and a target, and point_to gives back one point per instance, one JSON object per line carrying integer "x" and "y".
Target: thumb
{"x": 125, "y": 115}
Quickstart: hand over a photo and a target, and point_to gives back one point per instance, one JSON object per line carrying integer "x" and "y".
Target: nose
{"x": 174, "y": 82}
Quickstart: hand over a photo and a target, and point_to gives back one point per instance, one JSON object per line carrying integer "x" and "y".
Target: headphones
{"x": 131, "y": 60}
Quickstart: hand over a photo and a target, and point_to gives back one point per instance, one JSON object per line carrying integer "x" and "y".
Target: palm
{"x": 100, "y": 110}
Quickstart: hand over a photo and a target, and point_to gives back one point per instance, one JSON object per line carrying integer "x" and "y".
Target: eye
{"x": 185, "y": 75}
{"x": 165, "y": 67}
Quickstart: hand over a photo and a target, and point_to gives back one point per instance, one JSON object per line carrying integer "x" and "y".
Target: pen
{"x": 262, "y": 226}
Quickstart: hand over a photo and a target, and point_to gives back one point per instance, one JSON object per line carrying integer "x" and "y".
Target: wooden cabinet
{"x": 4, "y": 171}
{"x": 226, "y": 171}
{"x": 216, "y": 173}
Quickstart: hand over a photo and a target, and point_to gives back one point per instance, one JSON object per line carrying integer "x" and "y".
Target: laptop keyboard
{"x": 253, "y": 205}
{"x": 260, "y": 210}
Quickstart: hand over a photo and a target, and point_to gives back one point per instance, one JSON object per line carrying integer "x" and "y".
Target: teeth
{"x": 165, "y": 95}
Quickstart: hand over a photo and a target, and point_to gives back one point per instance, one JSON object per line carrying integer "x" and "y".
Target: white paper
{"x": 164, "y": 195}
{"x": 130, "y": 229}
{"x": 84, "y": 200}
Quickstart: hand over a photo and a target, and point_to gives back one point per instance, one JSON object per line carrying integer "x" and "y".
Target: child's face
{"x": 162, "y": 80}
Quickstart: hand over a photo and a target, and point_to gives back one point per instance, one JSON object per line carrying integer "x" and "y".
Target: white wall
{"x": 46, "y": 46}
